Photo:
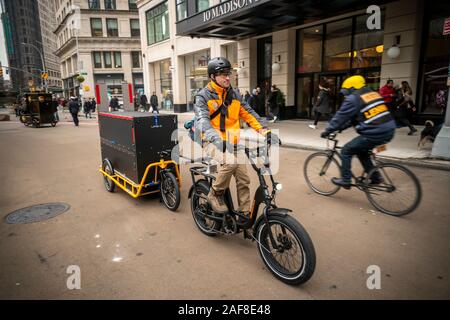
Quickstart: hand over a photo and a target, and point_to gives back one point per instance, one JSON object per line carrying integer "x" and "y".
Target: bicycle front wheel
{"x": 398, "y": 191}
{"x": 318, "y": 169}
{"x": 293, "y": 258}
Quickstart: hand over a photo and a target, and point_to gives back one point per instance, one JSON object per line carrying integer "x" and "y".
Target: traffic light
{"x": 44, "y": 75}
{"x": 1, "y": 72}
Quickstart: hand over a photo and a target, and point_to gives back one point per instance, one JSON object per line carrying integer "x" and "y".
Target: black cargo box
{"x": 132, "y": 140}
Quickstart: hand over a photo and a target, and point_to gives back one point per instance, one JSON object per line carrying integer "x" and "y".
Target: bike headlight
{"x": 278, "y": 186}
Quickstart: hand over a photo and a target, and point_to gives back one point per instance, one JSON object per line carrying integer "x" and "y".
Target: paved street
{"x": 164, "y": 255}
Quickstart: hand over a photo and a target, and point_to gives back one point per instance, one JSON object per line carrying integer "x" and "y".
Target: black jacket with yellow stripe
{"x": 223, "y": 124}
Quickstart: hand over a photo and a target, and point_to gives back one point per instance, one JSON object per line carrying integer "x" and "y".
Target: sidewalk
{"x": 297, "y": 134}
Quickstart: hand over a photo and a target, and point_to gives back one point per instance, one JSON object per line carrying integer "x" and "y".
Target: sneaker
{"x": 341, "y": 182}
{"x": 216, "y": 201}
{"x": 274, "y": 119}
{"x": 312, "y": 126}
{"x": 413, "y": 130}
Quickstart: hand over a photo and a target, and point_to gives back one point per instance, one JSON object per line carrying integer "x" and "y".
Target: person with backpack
{"x": 218, "y": 109}
{"x": 74, "y": 108}
{"x": 87, "y": 108}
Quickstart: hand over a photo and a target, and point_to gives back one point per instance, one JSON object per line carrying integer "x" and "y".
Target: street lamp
{"x": 44, "y": 81}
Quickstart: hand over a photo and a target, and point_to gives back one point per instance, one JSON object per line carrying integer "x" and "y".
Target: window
{"x": 367, "y": 44}
{"x": 134, "y": 26}
{"x": 338, "y": 45}
{"x": 157, "y": 24}
{"x": 110, "y": 4}
{"x": 107, "y": 59}
{"x": 117, "y": 60}
{"x": 132, "y": 4}
{"x": 96, "y": 27}
{"x": 112, "y": 27}
{"x": 309, "y": 49}
{"x": 202, "y": 5}
{"x": 97, "y": 57}
{"x": 94, "y": 4}
{"x": 181, "y": 9}
{"x": 136, "y": 59}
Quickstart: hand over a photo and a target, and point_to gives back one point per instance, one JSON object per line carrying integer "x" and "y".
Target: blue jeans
{"x": 360, "y": 146}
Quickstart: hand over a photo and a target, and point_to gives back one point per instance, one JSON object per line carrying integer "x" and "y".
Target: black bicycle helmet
{"x": 218, "y": 64}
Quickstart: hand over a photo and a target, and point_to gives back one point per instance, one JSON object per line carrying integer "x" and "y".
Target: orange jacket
{"x": 209, "y": 99}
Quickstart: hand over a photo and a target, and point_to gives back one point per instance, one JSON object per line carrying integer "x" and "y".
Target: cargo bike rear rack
{"x": 166, "y": 177}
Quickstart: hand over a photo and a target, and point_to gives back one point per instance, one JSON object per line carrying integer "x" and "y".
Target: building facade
{"x": 47, "y": 21}
{"x": 22, "y": 31}
{"x": 175, "y": 67}
{"x": 295, "y": 45}
{"x": 100, "y": 41}
{"x": 30, "y": 44}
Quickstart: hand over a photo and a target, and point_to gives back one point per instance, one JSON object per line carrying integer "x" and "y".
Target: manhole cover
{"x": 37, "y": 213}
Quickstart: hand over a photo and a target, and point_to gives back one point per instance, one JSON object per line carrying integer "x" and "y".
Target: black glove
{"x": 324, "y": 134}
{"x": 272, "y": 139}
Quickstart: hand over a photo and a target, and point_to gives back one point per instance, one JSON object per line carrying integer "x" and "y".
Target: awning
{"x": 240, "y": 19}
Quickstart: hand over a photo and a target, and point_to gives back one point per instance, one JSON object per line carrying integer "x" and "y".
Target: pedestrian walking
{"x": 143, "y": 103}
{"x": 93, "y": 105}
{"x": 74, "y": 108}
{"x": 55, "y": 108}
{"x": 388, "y": 93}
{"x": 322, "y": 104}
{"x": 253, "y": 101}
{"x": 273, "y": 103}
{"x": 401, "y": 111}
{"x": 114, "y": 104}
{"x": 87, "y": 108}
{"x": 154, "y": 103}
{"x": 261, "y": 102}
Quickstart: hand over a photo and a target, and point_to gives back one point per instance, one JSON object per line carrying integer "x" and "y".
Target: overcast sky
{"x": 3, "y": 58}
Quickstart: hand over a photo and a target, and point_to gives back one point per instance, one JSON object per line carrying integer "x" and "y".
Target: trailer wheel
{"x": 108, "y": 168}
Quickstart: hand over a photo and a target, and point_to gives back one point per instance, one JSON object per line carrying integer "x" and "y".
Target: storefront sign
{"x": 225, "y": 8}
{"x": 446, "y": 27}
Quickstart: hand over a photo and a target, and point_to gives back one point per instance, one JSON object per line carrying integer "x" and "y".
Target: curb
{"x": 421, "y": 163}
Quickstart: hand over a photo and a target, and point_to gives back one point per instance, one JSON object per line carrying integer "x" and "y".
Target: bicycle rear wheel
{"x": 318, "y": 169}
{"x": 399, "y": 191}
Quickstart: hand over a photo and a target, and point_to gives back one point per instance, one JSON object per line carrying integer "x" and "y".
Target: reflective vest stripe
{"x": 370, "y": 106}
{"x": 377, "y": 116}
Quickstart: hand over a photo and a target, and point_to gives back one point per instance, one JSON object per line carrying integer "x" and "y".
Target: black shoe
{"x": 413, "y": 130}
{"x": 340, "y": 182}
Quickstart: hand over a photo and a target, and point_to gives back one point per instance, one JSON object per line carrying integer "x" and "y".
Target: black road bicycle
{"x": 284, "y": 245}
{"x": 397, "y": 193}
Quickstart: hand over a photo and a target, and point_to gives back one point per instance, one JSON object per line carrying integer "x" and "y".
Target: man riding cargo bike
{"x": 284, "y": 245}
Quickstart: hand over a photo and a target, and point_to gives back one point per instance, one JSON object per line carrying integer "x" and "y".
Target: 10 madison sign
{"x": 226, "y": 8}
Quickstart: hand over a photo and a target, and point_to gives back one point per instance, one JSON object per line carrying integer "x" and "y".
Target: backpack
{"x": 190, "y": 126}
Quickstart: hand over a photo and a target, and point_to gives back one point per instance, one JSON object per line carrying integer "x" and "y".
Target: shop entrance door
{"x": 335, "y": 81}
